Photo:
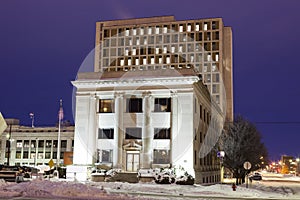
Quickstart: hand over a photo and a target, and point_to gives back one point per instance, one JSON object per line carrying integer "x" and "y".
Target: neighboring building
{"x": 28, "y": 145}
{"x": 155, "y": 93}
{"x": 289, "y": 164}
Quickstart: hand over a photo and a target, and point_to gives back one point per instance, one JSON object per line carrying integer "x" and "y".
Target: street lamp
{"x": 221, "y": 155}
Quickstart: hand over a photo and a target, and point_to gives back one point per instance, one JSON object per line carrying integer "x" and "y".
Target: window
{"x": 41, "y": 144}
{"x": 133, "y": 133}
{"x": 33, "y": 143}
{"x": 26, "y": 143}
{"x": 157, "y": 30}
{"x": 55, "y": 143}
{"x": 165, "y": 30}
{"x": 162, "y": 105}
{"x": 54, "y": 155}
{"x": 149, "y": 30}
{"x": 201, "y": 137}
{"x": 205, "y": 26}
{"x": 107, "y": 106}
{"x": 19, "y": 143}
{"x": 137, "y": 61}
{"x": 161, "y": 156}
{"x": 63, "y": 144}
{"x": 197, "y": 27}
{"x": 141, "y": 31}
{"x": 18, "y": 154}
{"x": 189, "y": 27}
{"x": 106, "y": 133}
{"x": 181, "y": 28}
{"x": 105, "y": 155}
{"x": 165, "y": 49}
{"x": 134, "y": 105}
{"x": 200, "y": 111}
{"x": 127, "y": 32}
{"x": 168, "y": 60}
{"x": 48, "y": 143}
{"x": 47, "y": 155}
{"x": 40, "y": 155}
{"x": 25, "y": 154}
{"x": 162, "y": 133}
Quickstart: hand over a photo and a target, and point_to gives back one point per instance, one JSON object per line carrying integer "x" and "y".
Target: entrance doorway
{"x": 133, "y": 161}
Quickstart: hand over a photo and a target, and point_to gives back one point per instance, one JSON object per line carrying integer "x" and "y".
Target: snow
{"x": 272, "y": 186}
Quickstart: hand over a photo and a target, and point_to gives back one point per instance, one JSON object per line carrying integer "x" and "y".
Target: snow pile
{"x": 55, "y": 190}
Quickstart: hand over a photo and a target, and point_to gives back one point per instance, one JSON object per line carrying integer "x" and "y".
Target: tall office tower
{"x": 157, "y": 97}
{"x": 163, "y": 43}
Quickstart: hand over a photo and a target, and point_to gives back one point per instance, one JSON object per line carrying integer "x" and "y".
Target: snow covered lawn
{"x": 116, "y": 190}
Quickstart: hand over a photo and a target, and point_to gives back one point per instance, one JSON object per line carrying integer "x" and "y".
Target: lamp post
{"x": 8, "y": 137}
{"x": 221, "y": 155}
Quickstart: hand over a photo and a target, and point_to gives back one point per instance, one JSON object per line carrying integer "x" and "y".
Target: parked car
{"x": 256, "y": 177}
{"x": 11, "y": 173}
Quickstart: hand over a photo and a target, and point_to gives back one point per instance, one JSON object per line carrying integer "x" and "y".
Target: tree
{"x": 241, "y": 142}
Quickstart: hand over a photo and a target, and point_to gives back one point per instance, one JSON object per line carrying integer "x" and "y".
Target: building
{"x": 158, "y": 89}
{"x": 26, "y": 145}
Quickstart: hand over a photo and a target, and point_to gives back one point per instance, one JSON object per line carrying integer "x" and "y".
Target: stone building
{"x": 159, "y": 94}
{"x": 26, "y": 145}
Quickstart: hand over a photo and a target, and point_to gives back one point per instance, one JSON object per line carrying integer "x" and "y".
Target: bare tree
{"x": 241, "y": 142}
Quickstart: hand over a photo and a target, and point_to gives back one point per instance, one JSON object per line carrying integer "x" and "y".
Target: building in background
{"x": 27, "y": 145}
{"x": 160, "y": 90}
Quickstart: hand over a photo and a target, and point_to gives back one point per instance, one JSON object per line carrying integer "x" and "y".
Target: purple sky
{"x": 43, "y": 43}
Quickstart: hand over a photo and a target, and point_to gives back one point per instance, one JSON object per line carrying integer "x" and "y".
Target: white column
{"x": 174, "y": 125}
{"x": 85, "y": 130}
{"x": 118, "y": 134}
{"x": 147, "y": 132}
{"x": 92, "y": 131}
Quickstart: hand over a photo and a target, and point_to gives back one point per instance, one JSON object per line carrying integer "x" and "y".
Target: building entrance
{"x": 133, "y": 161}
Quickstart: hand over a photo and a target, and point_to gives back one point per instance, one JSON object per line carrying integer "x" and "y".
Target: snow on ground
{"x": 272, "y": 188}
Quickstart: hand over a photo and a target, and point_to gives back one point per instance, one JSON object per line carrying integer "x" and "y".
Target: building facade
{"x": 26, "y": 145}
{"x": 158, "y": 89}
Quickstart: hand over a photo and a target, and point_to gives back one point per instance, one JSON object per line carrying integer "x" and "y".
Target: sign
{"x": 247, "y": 165}
{"x": 51, "y": 163}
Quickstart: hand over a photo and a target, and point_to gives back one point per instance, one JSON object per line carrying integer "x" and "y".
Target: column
{"x": 174, "y": 127}
{"x": 118, "y": 131}
{"x": 147, "y": 132}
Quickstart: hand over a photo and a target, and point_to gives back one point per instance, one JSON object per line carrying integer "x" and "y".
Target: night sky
{"x": 43, "y": 43}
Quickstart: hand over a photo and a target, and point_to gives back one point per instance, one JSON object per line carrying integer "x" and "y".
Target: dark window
{"x": 54, "y": 155}
{"x": 162, "y": 105}
{"x": 134, "y": 105}
{"x": 133, "y": 133}
{"x": 106, "y": 106}
{"x": 161, "y": 156}
{"x": 162, "y": 133}
{"x": 25, "y": 154}
{"x": 106, "y": 133}
{"x": 195, "y": 157}
{"x": 105, "y": 155}
{"x": 64, "y": 144}
{"x": 201, "y": 136}
{"x": 41, "y": 143}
